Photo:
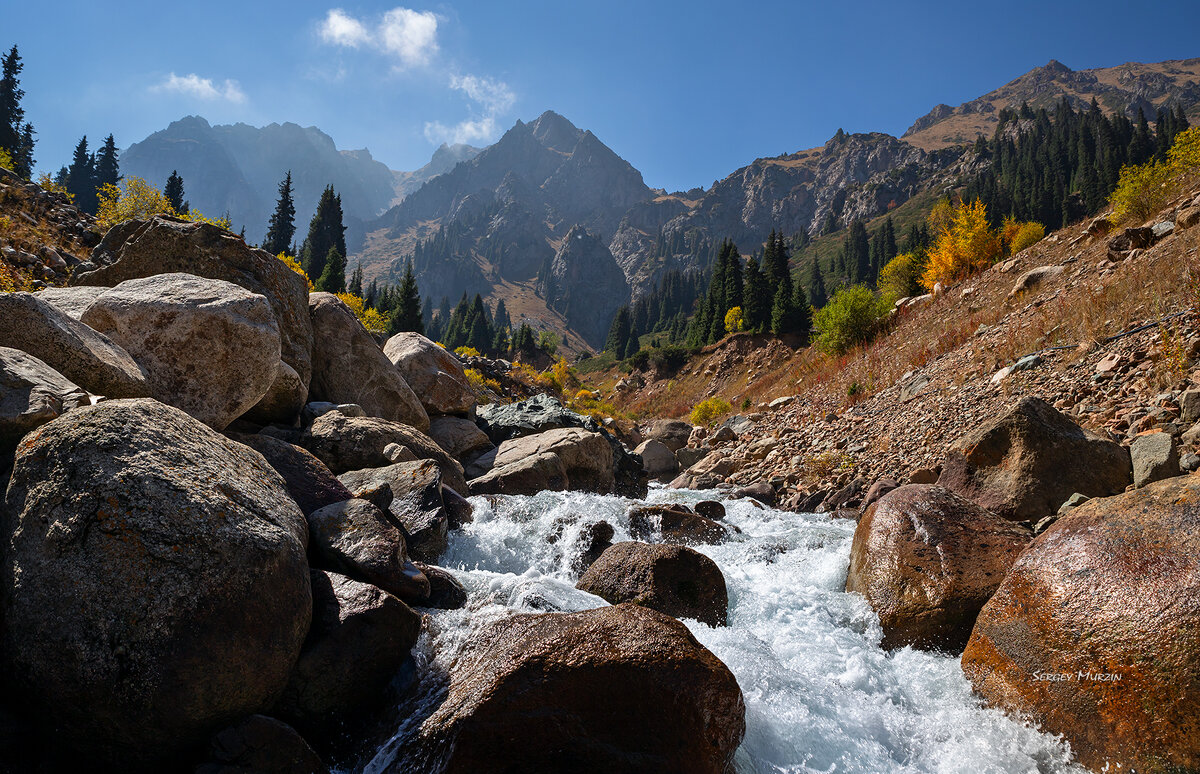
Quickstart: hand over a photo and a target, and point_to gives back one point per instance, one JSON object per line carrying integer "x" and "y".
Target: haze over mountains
{"x": 501, "y": 215}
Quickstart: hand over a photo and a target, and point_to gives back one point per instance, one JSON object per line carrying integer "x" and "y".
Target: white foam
{"x": 821, "y": 695}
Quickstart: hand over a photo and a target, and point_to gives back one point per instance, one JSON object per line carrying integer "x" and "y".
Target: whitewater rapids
{"x": 821, "y": 695}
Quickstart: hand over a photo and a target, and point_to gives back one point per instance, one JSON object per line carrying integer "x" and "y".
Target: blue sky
{"x": 685, "y": 91}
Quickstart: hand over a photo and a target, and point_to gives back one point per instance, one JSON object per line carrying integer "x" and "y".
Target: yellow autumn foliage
{"x": 291, "y": 262}
{"x": 734, "y": 321}
{"x": 47, "y": 183}
{"x": 965, "y": 245}
{"x": 371, "y": 319}
{"x": 135, "y": 198}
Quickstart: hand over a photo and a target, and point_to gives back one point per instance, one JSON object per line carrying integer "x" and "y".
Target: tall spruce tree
{"x": 325, "y": 231}
{"x": 16, "y": 135}
{"x": 407, "y": 315}
{"x": 618, "y": 333}
{"x": 108, "y": 169}
{"x": 818, "y": 296}
{"x": 81, "y": 178}
{"x": 282, "y": 227}
{"x": 756, "y": 300}
{"x": 355, "y": 286}
{"x": 173, "y": 190}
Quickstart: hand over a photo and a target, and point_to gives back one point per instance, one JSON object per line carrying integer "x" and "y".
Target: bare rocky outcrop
{"x": 191, "y": 335}
{"x": 434, "y": 374}
{"x": 154, "y": 581}
{"x": 629, "y": 689}
{"x": 78, "y": 352}
{"x": 1095, "y": 632}
{"x": 1026, "y": 463}
{"x": 31, "y": 394}
{"x": 927, "y": 560}
{"x": 671, "y": 579}
{"x": 349, "y": 367}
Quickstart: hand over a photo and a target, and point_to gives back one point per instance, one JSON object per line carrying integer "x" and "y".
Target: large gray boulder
{"x": 529, "y": 475}
{"x": 349, "y": 367}
{"x": 671, "y": 579}
{"x": 1155, "y": 457}
{"x": 207, "y": 346}
{"x": 658, "y": 460}
{"x": 411, "y": 494}
{"x": 72, "y": 302}
{"x": 622, "y": 688}
{"x": 353, "y": 443}
{"x": 154, "y": 582}
{"x": 136, "y": 249}
{"x": 1026, "y": 463}
{"x": 461, "y": 438}
{"x": 359, "y": 638}
{"x": 31, "y": 394}
{"x": 355, "y": 538}
{"x": 674, "y": 433}
{"x": 586, "y": 456}
{"x": 434, "y": 374}
{"x": 310, "y": 483}
{"x": 79, "y": 353}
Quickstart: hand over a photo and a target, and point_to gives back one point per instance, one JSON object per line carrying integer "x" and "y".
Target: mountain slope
{"x": 1123, "y": 88}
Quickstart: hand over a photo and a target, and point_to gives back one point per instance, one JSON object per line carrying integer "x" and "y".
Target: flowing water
{"x": 821, "y": 695}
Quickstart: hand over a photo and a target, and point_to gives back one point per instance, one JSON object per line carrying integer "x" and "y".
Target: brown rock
{"x": 459, "y": 437}
{"x": 1026, "y": 463}
{"x": 1112, "y": 588}
{"x": 627, "y": 689}
{"x": 675, "y": 524}
{"x": 927, "y": 560}
{"x": 445, "y": 592}
{"x": 308, "y": 481}
{"x": 530, "y": 475}
{"x": 355, "y": 538}
{"x": 31, "y": 394}
{"x": 261, "y": 745}
{"x": 675, "y": 580}
{"x": 349, "y": 367}
{"x": 411, "y": 493}
{"x": 673, "y": 433}
{"x": 434, "y": 374}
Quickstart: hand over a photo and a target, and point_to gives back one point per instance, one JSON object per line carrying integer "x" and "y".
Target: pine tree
{"x": 173, "y": 190}
{"x": 108, "y": 170}
{"x": 802, "y": 319}
{"x": 618, "y": 333}
{"x": 783, "y": 312}
{"x": 16, "y": 137}
{"x": 282, "y": 227}
{"x": 756, "y": 300}
{"x": 333, "y": 275}
{"x": 325, "y": 231}
{"x": 81, "y": 178}
{"x": 356, "y": 281}
{"x": 817, "y": 295}
{"x": 407, "y": 316}
{"x": 501, "y": 319}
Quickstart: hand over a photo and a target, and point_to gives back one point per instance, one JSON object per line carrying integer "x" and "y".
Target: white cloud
{"x": 341, "y": 29}
{"x": 493, "y": 99}
{"x": 193, "y": 85}
{"x": 408, "y": 35}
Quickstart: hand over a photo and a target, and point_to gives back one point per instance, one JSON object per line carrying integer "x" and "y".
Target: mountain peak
{"x": 555, "y": 132}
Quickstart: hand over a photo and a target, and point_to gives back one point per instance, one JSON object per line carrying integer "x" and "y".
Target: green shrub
{"x": 669, "y": 358}
{"x": 901, "y": 277}
{"x": 708, "y": 410}
{"x": 852, "y": 317}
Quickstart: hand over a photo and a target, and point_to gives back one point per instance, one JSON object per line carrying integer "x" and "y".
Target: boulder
{"x": 1155, "y": 457}
{"x": 359, "y": 639}
{"x": 675, "y": 580}
{"x": 160, "y": 245}
{"x": 261, "y": 745}
{"x": 759, "y": 490}
{"x": 460, "y": 438}
{"x": 353, "y": 443}
{"x": 411, "y": 493}
{"x": 191, "y": 335}
{"x": 673, "y": 433}
{"x": 459, "y": 510}
{"x": 689, "y": 456}
{"x": 31, "y": 394}
{"x": 538, "y": 414}
{"x": 434, "y": 374}
{"x": 1189, "y": 407}
{"x": 284, "y": 399}
{"x": 675, "y": 524}
{"x": 594, "y": 539}
{"x": 355, "y": 539}
{"x": 621, "y": 688}
{"x": 79, "y": 353}
{"x": 878, "y": 490}
{"x": 349, "y": 367}
{"x": 586, "y": 457}
{"x": 72, "y": 302}
{"x": 1027, "y": 462}
{"x": 927, "y": 560}
{"x": 1135, "y": 238}
{"x": 658, "y": 460}
{"x": 1095, "y": 632}
{"x": 708, "y": 473}
{"x": 1187, "y": 218}
{"x": 526, "y": 476}
{"x": 155, "y": 581}
{"x": 445, "y": 592}
{"x": 308, "y": 481}
{"x": 1034, "y": 277}
{"x": 710, "y": 509}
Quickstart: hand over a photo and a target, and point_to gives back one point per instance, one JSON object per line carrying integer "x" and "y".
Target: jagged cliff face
{"x": 1124, "y": 88}
{"x": 584, "y": 284}
{"x": 852, "y": 177}
{"x": 237, "y": 169}
{"x": 445, "y": 158}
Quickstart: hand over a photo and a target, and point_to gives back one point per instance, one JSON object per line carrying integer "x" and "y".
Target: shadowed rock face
{"x": 1112, "y": 588}
{"x": 927, "y": 560}
{"x": 1028, "y": 462}
{"x": 155, "y": 585}
{"x": 31, "y": 394}
{"x": 619, "y": 688}
{"x": 675, "y": 580}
